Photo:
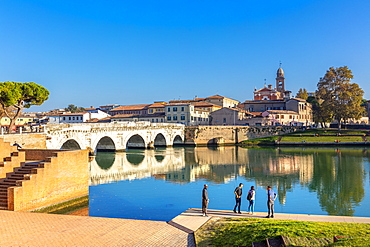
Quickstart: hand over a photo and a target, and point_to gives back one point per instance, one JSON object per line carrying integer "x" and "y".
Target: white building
{"x": 158, "y": 117}
{"x": 186, "y": 113}
{"x": 80, "y": 117}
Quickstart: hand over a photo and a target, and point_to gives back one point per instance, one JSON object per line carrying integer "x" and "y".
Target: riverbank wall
{"x": 230, "y": 135}
{"x": 62, "y": 176}
{"x": 35, "y": 178}
{"x": 10, "y": 158}
{"x": 27, "y": 140}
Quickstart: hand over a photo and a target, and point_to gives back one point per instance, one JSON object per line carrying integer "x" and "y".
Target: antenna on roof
{"x": 279, "y": 64}
{"x": 265, "y": 82}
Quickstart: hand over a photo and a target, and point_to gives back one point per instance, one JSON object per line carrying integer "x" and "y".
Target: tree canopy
{"x": 338, "y": 96}
{"x": 74, "y": 109}
{"x": 302, "y": 94}
{"x": 15, "y": 96}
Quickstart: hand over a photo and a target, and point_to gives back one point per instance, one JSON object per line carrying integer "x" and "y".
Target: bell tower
{"x": 280, "y": 80}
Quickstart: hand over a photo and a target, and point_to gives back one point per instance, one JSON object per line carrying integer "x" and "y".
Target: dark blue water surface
{"x": 160, "y": 184}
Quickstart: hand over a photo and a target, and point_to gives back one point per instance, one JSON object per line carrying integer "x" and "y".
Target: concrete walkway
{"x": 36, "y": 229}
{"x": 194, "y": 214}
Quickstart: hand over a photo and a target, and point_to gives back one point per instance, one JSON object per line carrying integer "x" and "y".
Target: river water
{"x": 161, "y": 183}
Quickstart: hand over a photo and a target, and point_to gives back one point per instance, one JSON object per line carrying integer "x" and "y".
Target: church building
{"x": 277, "y": 107}
{"x": 277, "y": 93}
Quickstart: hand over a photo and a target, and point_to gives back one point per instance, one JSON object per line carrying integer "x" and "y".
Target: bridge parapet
{"x": 113, "y": 136}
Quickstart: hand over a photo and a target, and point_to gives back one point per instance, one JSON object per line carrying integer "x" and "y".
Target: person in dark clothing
{"x": 238, "y": 197}
{"x": 205, "y": 200}
{"x": 271, "y": 196}
{"x": 17, "y": 145}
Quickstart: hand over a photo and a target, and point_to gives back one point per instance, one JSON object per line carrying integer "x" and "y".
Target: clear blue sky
{"x": 92, "y": 53}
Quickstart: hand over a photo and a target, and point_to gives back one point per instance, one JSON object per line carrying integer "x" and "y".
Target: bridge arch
{"x": 105, "y": 144}
{"x": 178, "y": 140}
{"x": 135, "y": 141}
{"x": 160, "y": 140}
{"x": 71, "y": 144}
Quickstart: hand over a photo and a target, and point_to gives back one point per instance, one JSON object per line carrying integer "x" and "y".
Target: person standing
{"x": 238, "y": 197}
{"x": 271, "y": 196}
{"x": 251, "y": 197}
{"x": 205, "y": 200}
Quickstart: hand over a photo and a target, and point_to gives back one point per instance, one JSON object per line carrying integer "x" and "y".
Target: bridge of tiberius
{"x": 113, "y": 136}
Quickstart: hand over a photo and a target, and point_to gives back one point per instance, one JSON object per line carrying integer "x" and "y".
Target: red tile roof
{"x": 205, "y": 104}
{"x": 256, "y": 113}
{"x": 131, "y": 107}
{"x": 220, "y": 97}
{"x": 157, "y": 105}
{"x": 282, "y": 112}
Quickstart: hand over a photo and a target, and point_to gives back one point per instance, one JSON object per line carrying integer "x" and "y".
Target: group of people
{"x": 251, "y": 196}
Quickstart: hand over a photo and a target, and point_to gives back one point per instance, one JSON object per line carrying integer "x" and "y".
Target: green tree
{"x": 15, "y": 96}
{"x": 74, "y": 109}
{"x": 321, "y": 114}
{"x": 364, "y": 105}
{"x": 340, "y": 97}
{"x": 302, "y": 94}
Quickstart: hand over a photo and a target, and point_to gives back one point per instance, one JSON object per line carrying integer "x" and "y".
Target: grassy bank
{"x": 314, "y": 135}
{"x": 244, "y": 231}
{"x": 66, "y": 207}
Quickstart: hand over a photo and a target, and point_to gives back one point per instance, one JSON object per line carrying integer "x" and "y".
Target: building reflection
{"x": 335, "y": 176}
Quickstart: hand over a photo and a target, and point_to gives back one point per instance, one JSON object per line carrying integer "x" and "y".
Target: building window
{"x": 224, "y": 120}
{"x": 69, "y": 118}
{"x": 182, "y": 117}
{"x": 168, "y": 109}
{"x": 192, "y": 118}
{"x": 175, "y": 117}
{"x": 168, "y": 118}
{"x": 64, "y": 118}
{"x": 151, "y": 110}
{"x": 175, "y": 109}
{"x": 282, "y": 116}
{"x": 182, "y": 108}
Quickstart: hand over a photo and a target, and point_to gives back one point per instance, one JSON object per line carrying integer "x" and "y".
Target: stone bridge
{"x": 113, "y": 136}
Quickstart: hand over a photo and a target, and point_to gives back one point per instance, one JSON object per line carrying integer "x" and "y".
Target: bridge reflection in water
{"x": 316, "y": 181}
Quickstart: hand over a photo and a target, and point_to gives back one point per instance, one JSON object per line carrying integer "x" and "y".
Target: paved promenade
{"x": 36, "y": 229}
{"x": 301, "y": 217}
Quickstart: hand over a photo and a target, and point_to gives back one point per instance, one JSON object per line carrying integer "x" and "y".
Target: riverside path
{"x": 36, "y": 229}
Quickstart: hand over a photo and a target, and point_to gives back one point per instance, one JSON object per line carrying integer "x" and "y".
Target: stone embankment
{"x": 34, "y": 178}
{"x": 231, "y": 135}
{"x": 26, "y": 140}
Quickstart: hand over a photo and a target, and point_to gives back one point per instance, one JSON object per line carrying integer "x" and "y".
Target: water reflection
{"x": 334, "y": 178}
{"x": 339, "y": 181}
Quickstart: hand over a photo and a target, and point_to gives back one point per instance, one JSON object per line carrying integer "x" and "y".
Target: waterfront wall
{"x": 60, "y": 178}
{"x": 10, "y": 158}
{"x": 220, "y": 135}
{"x": 27, "y": 140}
